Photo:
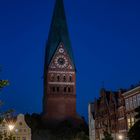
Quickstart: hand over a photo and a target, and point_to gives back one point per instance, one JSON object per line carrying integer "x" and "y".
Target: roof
{"x": 58, "y": 33}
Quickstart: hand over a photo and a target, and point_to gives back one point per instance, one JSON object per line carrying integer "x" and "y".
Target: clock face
{"x": 61, "y": 61}
{"x": 61, "y": 50}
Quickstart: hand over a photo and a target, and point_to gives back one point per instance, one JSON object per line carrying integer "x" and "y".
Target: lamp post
{"x": 11, "y": 128}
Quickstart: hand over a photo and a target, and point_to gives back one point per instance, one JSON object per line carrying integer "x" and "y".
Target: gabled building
{"x": 132, "y": 101}
{"x": 16, "y": 127}
{"x": 105, "y": 112}
{"x": 115, "y": 112}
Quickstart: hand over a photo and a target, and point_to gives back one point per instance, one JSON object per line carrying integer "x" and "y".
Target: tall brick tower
{"x": 59, "y": 101}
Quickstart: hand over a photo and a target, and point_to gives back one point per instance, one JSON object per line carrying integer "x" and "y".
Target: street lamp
{"x": 11, "y": 127}
{"x": 120, "y": 137}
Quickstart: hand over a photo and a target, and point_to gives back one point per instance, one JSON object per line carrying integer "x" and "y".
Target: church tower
{"x": 59, "y": 101}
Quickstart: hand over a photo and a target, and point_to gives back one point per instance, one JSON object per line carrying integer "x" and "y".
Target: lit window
{"x": 132, "y": 121}
{"x": 128, "y": 123}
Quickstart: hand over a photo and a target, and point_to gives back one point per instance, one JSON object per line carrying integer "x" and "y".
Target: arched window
{"x": 69, "y": 89}
{"x": 52, "y": 77}
{"x": 57, "y": 89}
{"x": 70, "y": 78}
{"x": 64, "y": 78}
{"x": 53, "y": 89}
{"x": 65, "y": 89}
{"x": 58, "y": 78}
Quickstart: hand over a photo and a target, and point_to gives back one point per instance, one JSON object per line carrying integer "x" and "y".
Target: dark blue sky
{"x": 105, "y": 36}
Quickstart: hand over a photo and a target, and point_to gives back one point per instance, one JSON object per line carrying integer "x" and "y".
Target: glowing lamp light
{"x": 11, "y": 127}
{"x": 120, "y": 137}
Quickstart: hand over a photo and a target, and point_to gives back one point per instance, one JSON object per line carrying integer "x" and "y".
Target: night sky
{"x": 105, "y": 37}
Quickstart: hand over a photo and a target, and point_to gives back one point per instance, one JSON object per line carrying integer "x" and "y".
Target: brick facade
{"x": 115, "y": 112}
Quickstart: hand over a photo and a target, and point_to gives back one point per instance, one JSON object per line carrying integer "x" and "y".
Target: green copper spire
{"x": 58, "y": 33}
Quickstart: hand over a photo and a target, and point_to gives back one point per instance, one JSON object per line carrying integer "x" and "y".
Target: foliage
{"x": 4, "y": 135}
{"x": 134, "y": 132}
{"x": 3, "y": 83}
{"x": 107, "y": 136}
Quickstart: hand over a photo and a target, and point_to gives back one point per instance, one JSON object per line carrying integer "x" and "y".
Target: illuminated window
{"x": 132, "y": 121}
{"x": 128, "y": 123}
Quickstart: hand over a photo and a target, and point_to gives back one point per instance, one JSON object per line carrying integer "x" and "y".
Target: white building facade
{"x": 91, "y": 122}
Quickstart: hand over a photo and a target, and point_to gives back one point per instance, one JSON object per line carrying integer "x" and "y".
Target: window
{"x": 138, "y": 99}
{"x": 132, "y": 121}
{"x": 64, "y": 78}
{"x": 65, "y": 89}
{"x": 18, "y": 138}
{"x": 20, "y": 123}
{"x": 58, "y": 78}
{"x": 69, "y": 89}
{"x": 53, "y": 89}
{"x": 57, "y": 89}
{"x": 134, "y": 101}
{"x": 128, "y": 123}
{"x": 127, "y": 104}
{"x": 52, "y": 77}
{"x": 23, "y": 138}
{"x": 70, "y": 78}
{"x": 131, "y": 103}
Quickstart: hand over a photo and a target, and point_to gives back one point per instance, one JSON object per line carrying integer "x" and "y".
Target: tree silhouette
{"x": 134, "y": 132}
